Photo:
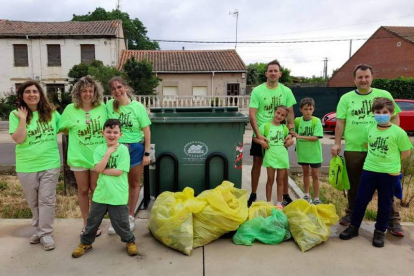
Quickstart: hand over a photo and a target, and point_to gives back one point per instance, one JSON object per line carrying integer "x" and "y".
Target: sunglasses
{"x": 88, "y": 116}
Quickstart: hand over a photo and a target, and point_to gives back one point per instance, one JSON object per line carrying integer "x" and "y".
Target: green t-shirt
{"x": 111, "y": 189}
{"x": 133, "y": 118}
{"x": 39, "y": 151}
{"x": 384, "y": 148}
{"x": 266, "y": 100}
{"x": 355, "y": 108}
{"x": 276, "y": 156}
{"x": 309, "y": 151}
{"x": 84, "y": 133}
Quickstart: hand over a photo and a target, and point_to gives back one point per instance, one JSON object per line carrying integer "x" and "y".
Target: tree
{"x": 97, "y": 70}
{"x": 134, "y": 31}
{"x": 256, "y": 74}
{"x": 140, "y": 76}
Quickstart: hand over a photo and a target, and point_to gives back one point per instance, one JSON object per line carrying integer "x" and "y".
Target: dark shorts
{"x": 136, "y": 153}
{"x": 256, "y": 149}
{"x": 313, "y": 166}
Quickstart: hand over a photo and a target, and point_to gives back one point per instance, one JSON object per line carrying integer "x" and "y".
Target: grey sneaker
{"x": 131, "y": 223}
{"x": 317, "y": 201}
{"x": 111, "y": 230}
{"x": 34, "y": 239}
{"x": 345, "y": 220}
{"x": 308, "y": 199}
{"x": 48, "y": 242}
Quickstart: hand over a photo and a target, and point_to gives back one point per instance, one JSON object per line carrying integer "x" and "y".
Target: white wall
{"x": 107, "y": 50}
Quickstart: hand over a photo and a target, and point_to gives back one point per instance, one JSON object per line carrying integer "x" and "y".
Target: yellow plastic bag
{"x": 261, "y": 209}
{"x": 225, "y": 211}
{"x": 171, "y": 220}
{"x": 310, "y": 224}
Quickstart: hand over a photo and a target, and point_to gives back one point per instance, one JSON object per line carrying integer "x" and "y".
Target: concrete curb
{"x": 295, "y": 188}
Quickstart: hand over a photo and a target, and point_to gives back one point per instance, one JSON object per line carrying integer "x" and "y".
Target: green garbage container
{"x": 196, "y": 147}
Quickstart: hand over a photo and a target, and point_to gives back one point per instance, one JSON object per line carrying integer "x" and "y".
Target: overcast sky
{"x": 259, "y": 20}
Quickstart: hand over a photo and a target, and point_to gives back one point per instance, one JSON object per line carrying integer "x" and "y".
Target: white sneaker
{"x": 111, "y": 230}
{"x": 131, "y": 223}
{"x": 34, "y": 239}
{"x": 48, "y": 242}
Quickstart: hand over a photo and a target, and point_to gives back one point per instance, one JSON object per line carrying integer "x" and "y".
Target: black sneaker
{"x": 286, "y": 200}
{"x": 345, "y": 220}
{"x": 349, "y": 233}
{"x": 378, "y": 239}
{"x": 252, "y": 199}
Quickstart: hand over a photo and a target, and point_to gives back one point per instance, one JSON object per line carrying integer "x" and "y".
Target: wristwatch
{"x": 146, "y": 153}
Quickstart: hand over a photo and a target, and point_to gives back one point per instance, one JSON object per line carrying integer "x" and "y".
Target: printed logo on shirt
{"x": 380, "y": 145}
{"x": 275, "y": 101}
{"x": 92, "y": 130}
{"x": 362, "y": 112}
{"x": 277, "y": 137}
{"x": 41, "y": 133}
{"x": 112, "y": 162}
{"x": 126, "y": 120}
{"x": 307, "y": 132}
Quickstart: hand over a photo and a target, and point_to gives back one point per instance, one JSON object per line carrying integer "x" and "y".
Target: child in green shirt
{"x": 111, "y": 194}
{"x": 276, "y": 157}
{"x": 387, "y": 145}
{"x": 308, "y": 131}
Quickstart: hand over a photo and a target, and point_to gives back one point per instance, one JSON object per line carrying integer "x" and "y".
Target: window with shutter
{"x": 87, "y": 53}
{"x": 53, "y": 55}
{"x": 21, "y": 56}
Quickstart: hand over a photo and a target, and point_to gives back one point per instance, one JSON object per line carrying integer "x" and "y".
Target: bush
{"x": 400, "y": 88}
{"x": 7, "y": 104}
{"x": 407, "y": 170}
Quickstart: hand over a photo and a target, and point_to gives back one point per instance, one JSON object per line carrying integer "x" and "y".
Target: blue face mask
{"x": 382, "y": 118}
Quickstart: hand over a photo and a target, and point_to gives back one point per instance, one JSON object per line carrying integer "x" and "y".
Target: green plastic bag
{"x": 171, "y": 220}
{"x": 310, "y": 224}
{"x": 270, "y": 230}
{"x": 338, "y": 176}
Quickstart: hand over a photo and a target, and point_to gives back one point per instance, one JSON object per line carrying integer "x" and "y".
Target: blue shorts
{"x": 136, "y": 153}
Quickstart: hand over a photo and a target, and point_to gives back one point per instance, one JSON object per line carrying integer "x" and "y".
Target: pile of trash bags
{"x": 310, "y": 224}
{"x": 183, "y": 222}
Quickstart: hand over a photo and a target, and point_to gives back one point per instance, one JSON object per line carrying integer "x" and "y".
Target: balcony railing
{"x": 191, "y": 101}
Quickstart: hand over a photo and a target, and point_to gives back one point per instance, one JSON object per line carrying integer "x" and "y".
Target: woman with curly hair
{"x": 34, "y": 127}
{"x": 83, "y": 121}
{"x": 136, "y": 135}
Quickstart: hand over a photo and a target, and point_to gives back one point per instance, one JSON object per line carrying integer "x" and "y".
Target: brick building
{"x": 195, "y": 72}
{"x": 390, "y": 52}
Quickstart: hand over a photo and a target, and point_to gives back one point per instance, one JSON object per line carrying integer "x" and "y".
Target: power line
{"x": 272, "y": 42}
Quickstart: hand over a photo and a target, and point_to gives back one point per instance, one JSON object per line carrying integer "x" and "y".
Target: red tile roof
{"x": 69, "y": 28}
{"x": 189, "y": 61}
{"x": 404, "y": 32}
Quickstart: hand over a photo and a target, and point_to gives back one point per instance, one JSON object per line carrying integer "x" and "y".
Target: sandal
{"x": 98, "y": 233}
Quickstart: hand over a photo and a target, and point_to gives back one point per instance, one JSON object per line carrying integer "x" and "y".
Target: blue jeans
{"x": 385, "y": 184}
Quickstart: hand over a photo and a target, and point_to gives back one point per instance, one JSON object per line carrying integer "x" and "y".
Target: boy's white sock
{"x": 307, "y": 194}
{"x": 316, "y": 198}
{"x": 278, "y": 203}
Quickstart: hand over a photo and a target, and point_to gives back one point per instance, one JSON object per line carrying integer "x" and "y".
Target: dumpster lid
{"x": 197, "y": 115}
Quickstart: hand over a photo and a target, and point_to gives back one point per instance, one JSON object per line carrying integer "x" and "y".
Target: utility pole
{"x": 118, "y": 4}
{"x": 325, "y": 68}
{"x": 350, "y": 48}
{"x": 235, "y": 14}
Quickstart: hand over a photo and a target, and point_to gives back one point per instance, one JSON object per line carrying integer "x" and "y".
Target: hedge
{"x": 400, "y": 88}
